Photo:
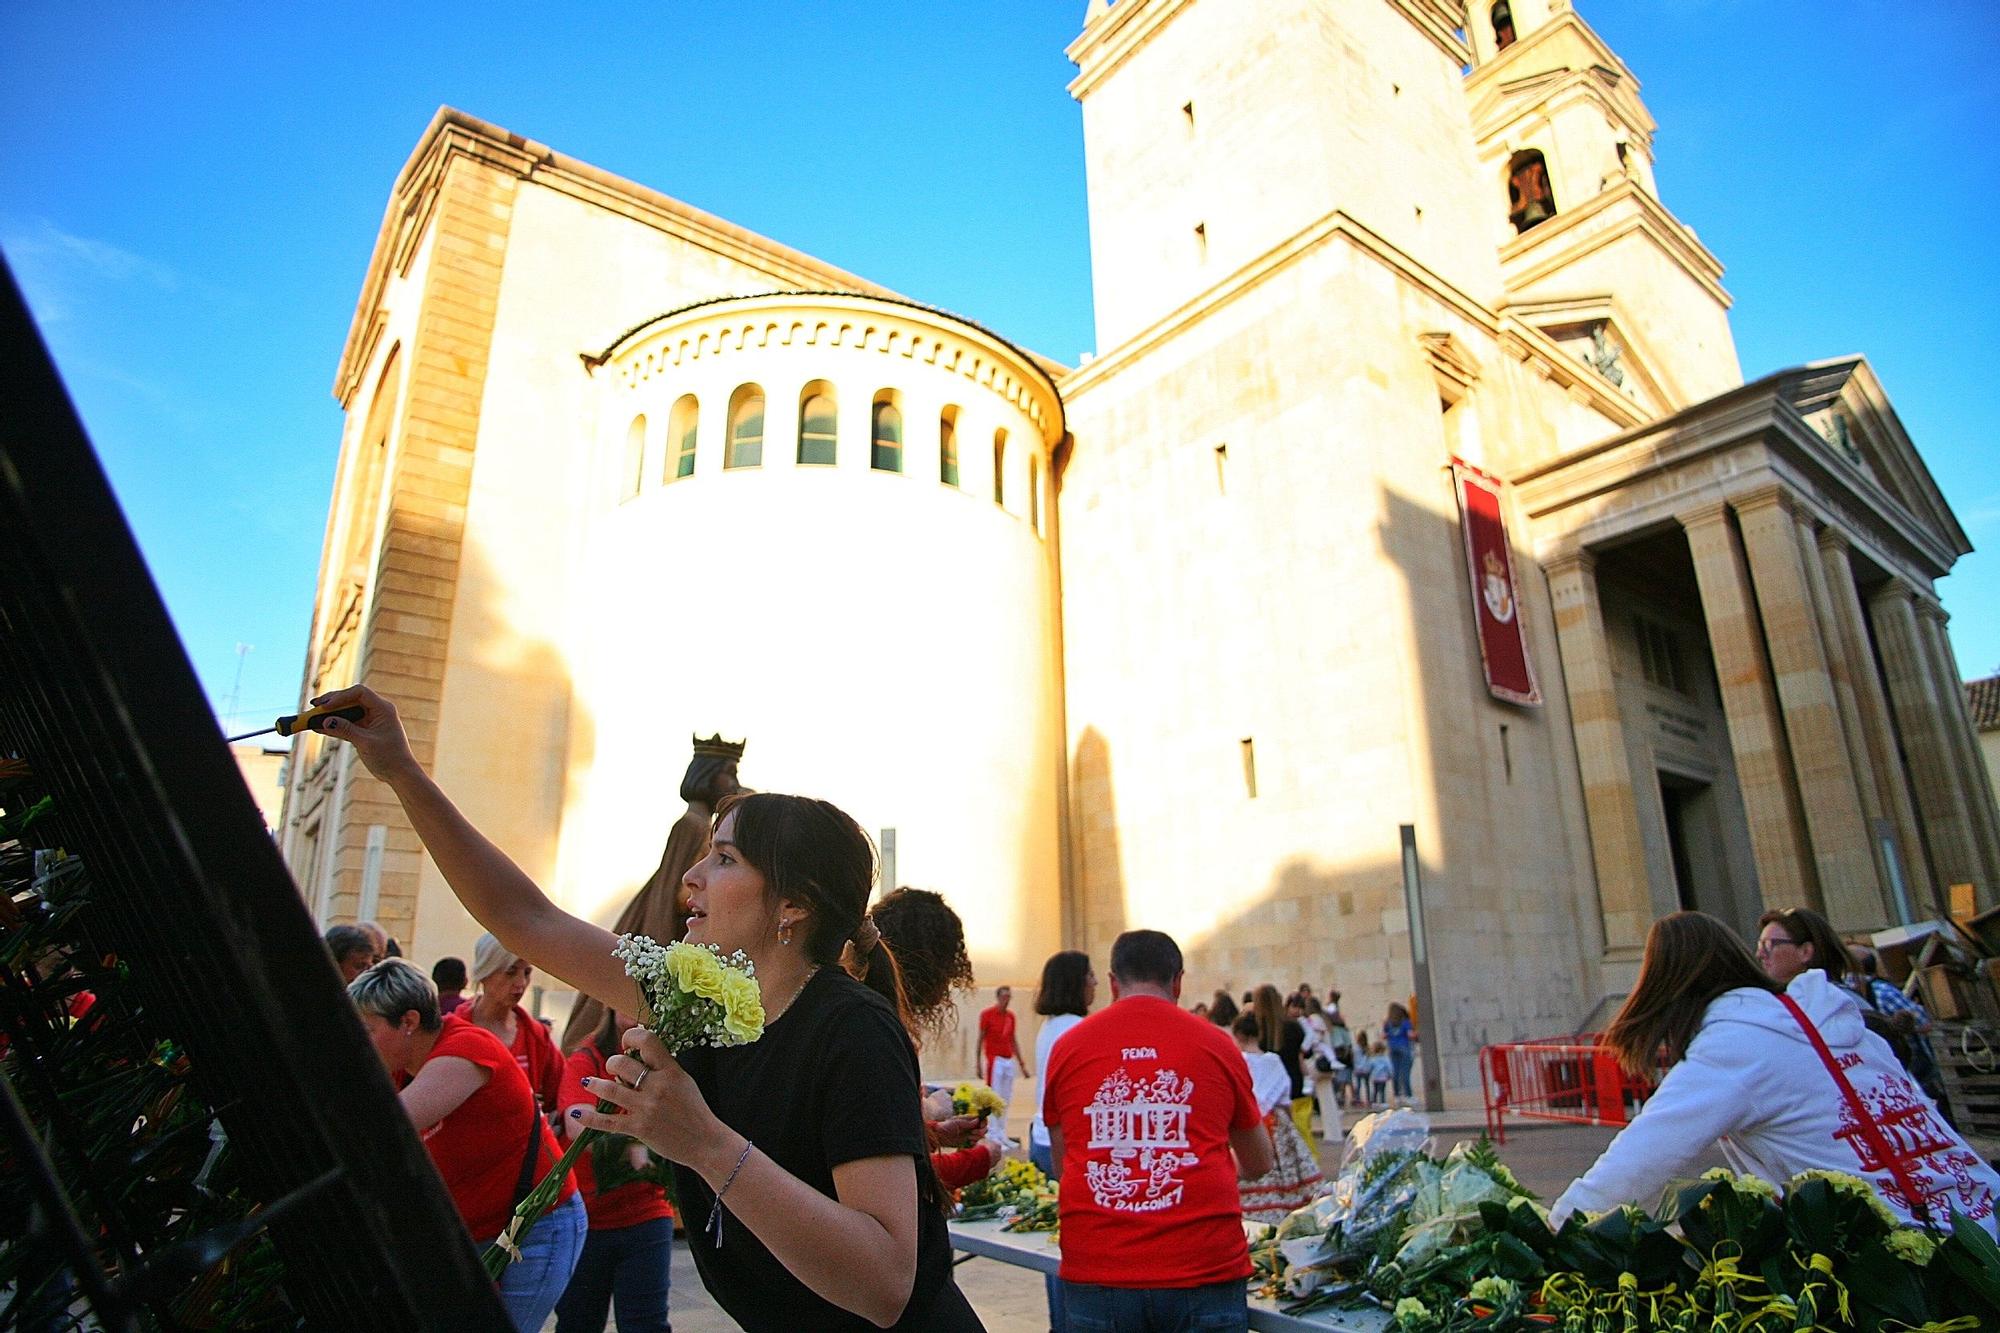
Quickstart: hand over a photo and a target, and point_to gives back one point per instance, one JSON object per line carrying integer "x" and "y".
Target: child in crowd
{"x": 1378, "y": 1073}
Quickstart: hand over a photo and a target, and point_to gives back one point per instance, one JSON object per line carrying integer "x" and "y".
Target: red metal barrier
{"x": 1567, "y": 1079}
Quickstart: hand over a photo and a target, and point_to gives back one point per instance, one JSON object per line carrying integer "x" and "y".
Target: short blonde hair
{"x": 393, "y": 988}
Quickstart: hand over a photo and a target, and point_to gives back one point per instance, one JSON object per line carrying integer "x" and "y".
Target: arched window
{"x": 1503, "y": 25}
{"x": 1530, "y": 201}
{"x": 681, "y": 427}
{"x": 746, "y": 428}
{"x": 885, "y": 453}
{"x": 1035, "y": 493}
{"x": 1000, "y": 467}
{"x": 948, "y": 446}
{"x": 632, "y": 473}
{"x": 816, "y": 423}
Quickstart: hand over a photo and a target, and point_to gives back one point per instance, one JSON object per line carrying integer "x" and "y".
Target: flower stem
{"x": 539, "y": 1200}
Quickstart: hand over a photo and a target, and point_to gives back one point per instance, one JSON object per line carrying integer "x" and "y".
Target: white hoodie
{"x": 1752, "y": 1079}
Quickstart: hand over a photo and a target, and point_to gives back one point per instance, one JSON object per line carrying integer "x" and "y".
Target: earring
{"x": 784, "y": 931}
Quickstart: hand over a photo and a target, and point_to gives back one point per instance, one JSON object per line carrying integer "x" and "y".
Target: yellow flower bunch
{"x": 694, "y": 995}
{"x": 975, "y": 1098}
{"x": 1746, "y": 1183}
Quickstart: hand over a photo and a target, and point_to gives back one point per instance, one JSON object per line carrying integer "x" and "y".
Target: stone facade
{"x": 1178, "y": 637}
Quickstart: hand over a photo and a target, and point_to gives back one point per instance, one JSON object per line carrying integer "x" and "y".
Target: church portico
{"x": 1794, "y": 501}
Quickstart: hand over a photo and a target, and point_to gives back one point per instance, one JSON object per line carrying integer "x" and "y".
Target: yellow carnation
{"x": 1912, "y": 1247}
{"x": 742, "y": 1007}
{"x": 1854, "y": 1187}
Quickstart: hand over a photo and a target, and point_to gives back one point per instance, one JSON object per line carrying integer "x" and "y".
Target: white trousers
{"x": 1001, "y": 1077}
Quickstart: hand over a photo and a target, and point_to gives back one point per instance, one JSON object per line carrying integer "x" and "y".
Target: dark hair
{"x": 1223, "y": 1011}
{"x": 1862, "y": 959}
{"x": 449, "y": 973}
{"x": 1065, "y": 981}
{"x": 1396, "y": 1013}
{"x": 1691, "y": 958}
{"x": 1149, "y": 957}
{"x": 1246, "y": 1025}
{"x": 1270, "y": 1011}
{"x": 929, "y": 941}
{"x": 812, "y": 852}
{"x": 702, "y": 781}
{"x": 344, "y": 940}
{"x": 1804, "y": 926}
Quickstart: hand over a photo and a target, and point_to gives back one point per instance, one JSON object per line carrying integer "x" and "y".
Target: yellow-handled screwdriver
{"x": 313, "y": 719}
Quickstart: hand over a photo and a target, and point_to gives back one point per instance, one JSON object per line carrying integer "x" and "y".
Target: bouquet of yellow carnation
{"x": 975, "y": 1098}
{"x": 694, "y": 996}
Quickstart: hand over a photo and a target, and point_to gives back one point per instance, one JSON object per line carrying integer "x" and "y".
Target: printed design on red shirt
{"x": 1145, "y": 1128}
{"x": 1942, "y": 1170}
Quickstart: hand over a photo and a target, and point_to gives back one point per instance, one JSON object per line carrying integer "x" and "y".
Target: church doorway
{"x": 1694, "y": 845}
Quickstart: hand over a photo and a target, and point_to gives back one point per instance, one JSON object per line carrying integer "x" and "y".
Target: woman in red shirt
{"x": 629, "y": 1251}
{"x": 503, "y": 979}
{"x": 472, "y": 1105}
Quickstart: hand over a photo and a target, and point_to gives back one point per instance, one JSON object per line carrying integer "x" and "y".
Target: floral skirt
{"x": 1289, "y": 1184}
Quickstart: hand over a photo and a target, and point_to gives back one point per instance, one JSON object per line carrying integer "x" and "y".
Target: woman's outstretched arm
{"x": 497, "y": 892}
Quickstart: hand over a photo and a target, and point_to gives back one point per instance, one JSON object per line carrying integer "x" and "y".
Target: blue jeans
{"x": 532, "y": 1283}
{"x": 1038, "y": 1153}
{"x": 1400, "y": 1060}
{"x": 1219, "y": 1306}
{"x": 628, "y": 1265}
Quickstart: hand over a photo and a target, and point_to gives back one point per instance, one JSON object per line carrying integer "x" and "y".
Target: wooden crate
{"x": 1968, "y": 1056}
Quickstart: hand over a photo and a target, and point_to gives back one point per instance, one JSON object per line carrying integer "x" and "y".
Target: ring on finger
{"x": 637, "y": 1082}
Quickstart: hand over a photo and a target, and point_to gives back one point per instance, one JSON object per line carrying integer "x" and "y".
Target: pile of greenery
{"x": 1457, "y": 1245}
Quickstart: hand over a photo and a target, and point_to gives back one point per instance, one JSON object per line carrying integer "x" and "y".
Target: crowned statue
{"x": 659, "y": 909}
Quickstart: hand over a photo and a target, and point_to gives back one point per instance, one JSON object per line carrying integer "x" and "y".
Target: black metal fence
{"x": 99, "y": 702}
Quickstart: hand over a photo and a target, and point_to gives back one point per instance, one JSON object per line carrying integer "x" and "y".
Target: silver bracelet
{"x": 714, "y": 1227}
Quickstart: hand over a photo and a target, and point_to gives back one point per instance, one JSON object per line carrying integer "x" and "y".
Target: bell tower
{"x": 1217, "y": 134}
{"x": 1588, "y": 251}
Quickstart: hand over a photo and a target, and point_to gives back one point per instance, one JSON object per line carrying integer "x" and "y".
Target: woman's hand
{"x": 377, "y": 736}
{"x": 959, "y": 1131}
{"x": 665, "y": 1111}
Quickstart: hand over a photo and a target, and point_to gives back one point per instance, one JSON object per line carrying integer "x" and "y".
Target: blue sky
{"x": 192, "y": 194}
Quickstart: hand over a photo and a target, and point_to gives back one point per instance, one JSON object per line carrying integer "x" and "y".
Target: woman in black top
{"x": 800, "y": 1159}
{"x": 1281, "y": 1036}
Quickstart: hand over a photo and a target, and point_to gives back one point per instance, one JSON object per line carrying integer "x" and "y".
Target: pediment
{"x": 1532, "y": 72}
{"x": 1594, "y": 333}
{"x": 1844, "y": 404}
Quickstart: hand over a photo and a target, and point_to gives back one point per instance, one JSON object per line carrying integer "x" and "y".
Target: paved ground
{"x": 1010, "y": 1300}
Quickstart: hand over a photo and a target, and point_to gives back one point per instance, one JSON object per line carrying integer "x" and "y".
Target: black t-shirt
{"x": 1291, "y": 1043}
{"x": 833, "y": 1080}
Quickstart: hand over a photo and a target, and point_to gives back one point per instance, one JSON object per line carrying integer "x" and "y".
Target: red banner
{"x": 1503, "y": 649}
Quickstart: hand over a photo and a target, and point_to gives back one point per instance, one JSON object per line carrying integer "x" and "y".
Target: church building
{"x": 1414, "y": 483}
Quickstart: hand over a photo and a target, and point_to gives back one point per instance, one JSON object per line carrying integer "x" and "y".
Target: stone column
{"x": 1940, "y": 797}
{"x": 1971, "y": 768}
{"x": 1850, "y": 888}
{"x": 1778, "y": 842}
{"x": 1878, "y": 730}
{"x": 1624, "y": 890}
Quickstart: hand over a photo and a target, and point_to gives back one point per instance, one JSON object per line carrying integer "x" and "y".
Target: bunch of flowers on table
{"x": 1018, "y": 1193}
{"x": 1456, "y": 1245}
{"x": 694, "y": 995}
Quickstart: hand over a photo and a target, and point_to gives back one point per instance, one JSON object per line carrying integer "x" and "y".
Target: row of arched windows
{"x": 818, "y": 441}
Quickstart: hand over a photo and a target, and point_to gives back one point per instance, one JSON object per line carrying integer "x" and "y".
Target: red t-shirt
{"x": 1146, "y": 1096}
{"x": 996, "y": 1032}
{"x": 535, "y": 1051}
{"x": 624, "y": 1205}
{"x": 478, "y": 1147}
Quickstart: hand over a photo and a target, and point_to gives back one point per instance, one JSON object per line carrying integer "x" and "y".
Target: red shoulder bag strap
{"x": 1870, "y": 1131}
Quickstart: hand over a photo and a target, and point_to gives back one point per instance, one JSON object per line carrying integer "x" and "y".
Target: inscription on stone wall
{"x": 1678, "y": 725}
